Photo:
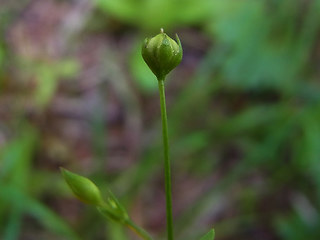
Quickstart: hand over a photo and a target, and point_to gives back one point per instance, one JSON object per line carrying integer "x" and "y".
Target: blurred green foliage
{"x": 150, "y": 14}
{"x": 16, "y": 198}
{"x": 48, "y": 75}
{"x": 244, "y": 114}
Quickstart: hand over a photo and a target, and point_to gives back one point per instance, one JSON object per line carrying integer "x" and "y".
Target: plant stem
{"x": 138, "y": 230}
{"x": 166, "y": 159}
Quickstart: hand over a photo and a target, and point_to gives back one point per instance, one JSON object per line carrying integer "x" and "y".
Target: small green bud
{"x": 162, "y": 54}
{"x": 83, "y": 188}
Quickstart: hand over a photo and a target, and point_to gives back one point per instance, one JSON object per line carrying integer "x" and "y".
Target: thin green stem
{"x": 167, "y": 171}
{"x": 138, "y": 230}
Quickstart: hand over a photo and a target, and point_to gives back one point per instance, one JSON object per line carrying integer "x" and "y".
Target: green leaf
{"x": 209, "y": 235}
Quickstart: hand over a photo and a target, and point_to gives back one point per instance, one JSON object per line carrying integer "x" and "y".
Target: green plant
{"x": 162, "y": 54}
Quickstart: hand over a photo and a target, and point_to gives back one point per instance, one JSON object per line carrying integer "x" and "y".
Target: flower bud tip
{"x": 83, "y": 188}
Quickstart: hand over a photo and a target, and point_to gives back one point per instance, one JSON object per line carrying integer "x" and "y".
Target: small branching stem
{"x": 167, "y": 170}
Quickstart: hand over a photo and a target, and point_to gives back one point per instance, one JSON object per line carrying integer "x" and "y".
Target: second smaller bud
{"x": 84, "y": 189}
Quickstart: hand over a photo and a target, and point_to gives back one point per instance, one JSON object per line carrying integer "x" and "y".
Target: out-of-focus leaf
{"x": 36, "y": 209}
{"x": 16, "y": 156}
{"x": 307, "y": 146}
{"x": 142, "y": 75}
{"x": 48, "y": 77}
{"x": 209, "y": 235}
{"x": 12, "y": 230}
{"x": 263, "y": 53}
{"x": 67, "y": 68}
{"x": 149, "y": 14}
{"x": 46, "y": 86}
{"x": 294, "y": 228}
{"x": 252, "y": 119}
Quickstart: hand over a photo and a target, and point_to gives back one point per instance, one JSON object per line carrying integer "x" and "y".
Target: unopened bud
{"x": 162, "y": 54}
{"x": 83, "y": 188}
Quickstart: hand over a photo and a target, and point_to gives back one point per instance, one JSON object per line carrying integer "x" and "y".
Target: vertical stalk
{"x": 167, "y": 171}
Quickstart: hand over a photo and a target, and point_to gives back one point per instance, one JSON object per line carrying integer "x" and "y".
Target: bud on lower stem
{"x": 83, "y": 188}
{"x": 162, "y": 54}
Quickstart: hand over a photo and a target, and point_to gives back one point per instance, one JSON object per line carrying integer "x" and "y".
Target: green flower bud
{"x": 83, "y": 188}
{"x": 162, "y": 54}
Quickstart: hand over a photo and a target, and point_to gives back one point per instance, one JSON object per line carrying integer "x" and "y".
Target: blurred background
{"x": 244, "y": 117}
